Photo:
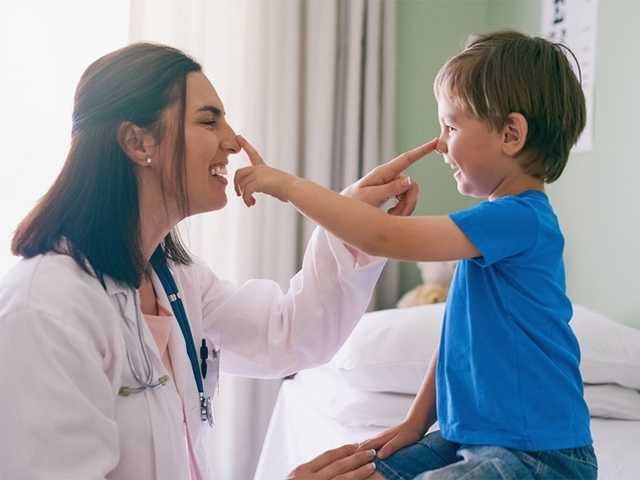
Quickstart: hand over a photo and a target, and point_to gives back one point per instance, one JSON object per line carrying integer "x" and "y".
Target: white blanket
{"x": 299, "y": 431}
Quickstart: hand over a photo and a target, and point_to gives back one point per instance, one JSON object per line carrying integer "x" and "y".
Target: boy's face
{"x": 472, "y": 150}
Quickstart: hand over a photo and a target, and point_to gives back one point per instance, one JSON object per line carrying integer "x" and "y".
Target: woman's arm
{"x": 427, "y": 238}
{"x": 57, "y": 412}
{"x": 263, "y": 331}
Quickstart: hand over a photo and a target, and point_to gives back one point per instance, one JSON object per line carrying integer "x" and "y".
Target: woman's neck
{"x": 148, "y": 301}
{"x": 156, "y": 219}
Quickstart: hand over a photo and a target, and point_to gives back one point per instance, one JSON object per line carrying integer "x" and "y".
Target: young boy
{"x": 504, "y": 384}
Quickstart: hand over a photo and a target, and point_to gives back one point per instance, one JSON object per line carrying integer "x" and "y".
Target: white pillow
{"x": 389, "y": 350}
{"x": 612, "y": 401}
{"x": 610, "y": 350}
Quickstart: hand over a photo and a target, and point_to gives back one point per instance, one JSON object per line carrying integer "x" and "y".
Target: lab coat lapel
{"x": 169, "y": 456}
{"x": 182, "y": 372}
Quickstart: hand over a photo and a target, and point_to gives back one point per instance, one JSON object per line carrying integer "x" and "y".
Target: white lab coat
{"x": 63, "y": 359}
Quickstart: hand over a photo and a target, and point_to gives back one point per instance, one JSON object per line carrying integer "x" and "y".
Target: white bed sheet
{"x": 299, "y": 431}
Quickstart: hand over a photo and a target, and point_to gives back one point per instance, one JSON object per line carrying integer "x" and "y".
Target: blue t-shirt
{"x": 508, "y": 364}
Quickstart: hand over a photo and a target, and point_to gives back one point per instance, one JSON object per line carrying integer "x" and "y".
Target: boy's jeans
{"x": 434, "y": 458}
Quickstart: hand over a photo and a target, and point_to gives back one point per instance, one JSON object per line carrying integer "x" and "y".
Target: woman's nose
{"x": 230, "y": 141}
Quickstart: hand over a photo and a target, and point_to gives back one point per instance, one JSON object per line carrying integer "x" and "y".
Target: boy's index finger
{"x": 254, "y": 156}
{"x": 408, "y": 158}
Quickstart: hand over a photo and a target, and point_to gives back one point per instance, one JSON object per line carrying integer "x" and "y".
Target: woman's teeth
{"x": 220, "y": 170}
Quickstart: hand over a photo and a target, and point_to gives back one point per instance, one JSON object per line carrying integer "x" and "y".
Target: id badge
{"x": 215, "y": 378}
{"x": 212, "y": 386}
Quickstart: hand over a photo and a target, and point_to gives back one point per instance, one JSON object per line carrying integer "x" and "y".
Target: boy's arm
{"x": 423, "y": 238}
{"x": 427, "y": 238}
{"x": 423, "y": 411}
{"x": 421, "y": 416}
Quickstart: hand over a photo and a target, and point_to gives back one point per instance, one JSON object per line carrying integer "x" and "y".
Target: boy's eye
{"x": 449, "y": 128}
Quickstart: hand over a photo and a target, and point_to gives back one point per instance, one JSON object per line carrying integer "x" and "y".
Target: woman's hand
{"x": 393, "y": 439}
{"x": 260, "y": 177}
{"x": 387, "y": 181}
{"x": 343, "y": 463}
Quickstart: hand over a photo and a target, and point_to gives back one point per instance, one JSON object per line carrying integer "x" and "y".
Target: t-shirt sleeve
{"x": 499, "y": 229}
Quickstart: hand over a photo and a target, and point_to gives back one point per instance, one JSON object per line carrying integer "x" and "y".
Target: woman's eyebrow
{"x": 210, "y": 108}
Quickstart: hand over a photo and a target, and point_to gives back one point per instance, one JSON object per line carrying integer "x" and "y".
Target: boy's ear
{"x": 136, "y": 143}
{"x": 514, "y": 134}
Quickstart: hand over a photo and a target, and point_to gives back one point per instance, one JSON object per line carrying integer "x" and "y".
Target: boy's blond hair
{"x": 508, "y": 72}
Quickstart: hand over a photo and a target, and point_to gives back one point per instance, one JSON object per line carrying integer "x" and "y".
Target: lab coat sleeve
{"x": 264, "y": 332}
{"x": 53, "y": 377}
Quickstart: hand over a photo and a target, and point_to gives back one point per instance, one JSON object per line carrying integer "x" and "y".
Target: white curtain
{"x": 41, "y": 61}
{"x": 310, "y": 84}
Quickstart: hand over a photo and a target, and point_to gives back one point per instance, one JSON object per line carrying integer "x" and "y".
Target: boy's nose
{"x": 441, "y": 146}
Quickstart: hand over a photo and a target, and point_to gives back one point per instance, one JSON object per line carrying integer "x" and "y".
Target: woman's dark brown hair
{"x": 91, "y": 211}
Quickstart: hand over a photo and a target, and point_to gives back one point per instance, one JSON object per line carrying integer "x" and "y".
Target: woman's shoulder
{"x": 49, "y": 283}
{"x": 198, "y": 278}
{"x": 197, "y": 272}
{"x": 50, "y": 300}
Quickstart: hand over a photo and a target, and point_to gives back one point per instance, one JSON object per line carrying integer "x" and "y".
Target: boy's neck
{"x": 516, "y": 185}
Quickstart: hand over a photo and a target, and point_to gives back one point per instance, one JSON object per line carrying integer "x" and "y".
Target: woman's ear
{"x": 514, "y": 134}
{"x": 136, "y": 143}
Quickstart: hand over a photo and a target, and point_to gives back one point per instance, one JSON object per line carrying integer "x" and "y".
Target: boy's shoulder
{"x": 531, "y": 206}
{"x": 534, "y": 198}
{"x": 523, "y": 207}
{"x": 515, "y": 226}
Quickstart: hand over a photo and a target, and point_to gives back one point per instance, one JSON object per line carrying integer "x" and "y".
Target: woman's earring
{"x": 148, "y": 162}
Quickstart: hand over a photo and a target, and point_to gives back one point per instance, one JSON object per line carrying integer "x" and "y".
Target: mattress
{"x": 312, "y": 416}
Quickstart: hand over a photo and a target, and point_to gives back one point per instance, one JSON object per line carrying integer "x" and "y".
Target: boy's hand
{"x": 260, "y": 177}
{"x": 395, "y": 438}
{"x": 387, "y": 181}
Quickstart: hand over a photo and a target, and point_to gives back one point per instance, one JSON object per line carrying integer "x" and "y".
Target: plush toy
{"x": 436, "y": 277}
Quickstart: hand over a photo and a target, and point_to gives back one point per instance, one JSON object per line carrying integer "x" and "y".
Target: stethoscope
{"x": 145, "y": 380}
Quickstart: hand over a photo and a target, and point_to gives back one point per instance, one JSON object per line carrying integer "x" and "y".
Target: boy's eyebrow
{"x": 448, "y": 116}
{"x": 211, "y": 108}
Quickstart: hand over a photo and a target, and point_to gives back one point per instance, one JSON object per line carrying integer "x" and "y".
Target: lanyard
{"x": 161, "y": 268}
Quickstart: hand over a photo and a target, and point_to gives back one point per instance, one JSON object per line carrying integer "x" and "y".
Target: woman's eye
{"x": 449, "y": 129}
{"x": 211, "y": 124}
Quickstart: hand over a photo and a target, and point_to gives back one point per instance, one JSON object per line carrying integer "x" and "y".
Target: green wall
{"x": 596, "y": 196}
{"x": 429, "y": 32}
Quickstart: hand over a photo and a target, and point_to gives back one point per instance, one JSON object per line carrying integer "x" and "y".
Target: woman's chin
{"x": 219, "y": 203}
{"x": 210, "y": 205}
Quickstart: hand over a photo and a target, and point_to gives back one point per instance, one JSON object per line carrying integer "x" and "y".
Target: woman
{"x": 110, "y": 333}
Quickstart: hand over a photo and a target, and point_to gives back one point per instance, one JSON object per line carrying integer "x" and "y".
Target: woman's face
{"x": 209, "y": 140}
